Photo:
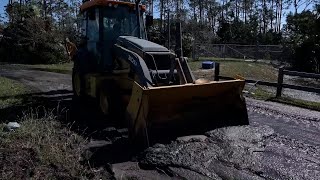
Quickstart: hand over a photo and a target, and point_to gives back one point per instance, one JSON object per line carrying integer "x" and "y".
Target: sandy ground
{"x": 281, "y": 142}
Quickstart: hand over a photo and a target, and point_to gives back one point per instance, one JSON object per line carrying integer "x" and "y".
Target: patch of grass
{"x": 219, "y": 59}
{"x": 9, "y": 90}
{"x": 298, "y": 102}
{"x": 261, "y": 94}
{"x": 42, "y": 148}
{"x": 249, "y": 70}
{"x": 65, "y": 68}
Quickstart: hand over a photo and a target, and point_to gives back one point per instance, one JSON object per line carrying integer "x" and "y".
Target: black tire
{"x": 76, "y": 84}
{"x": 80, "y": 68}
{"x": 111, "y": 94}
{"x": 76, "y": 88}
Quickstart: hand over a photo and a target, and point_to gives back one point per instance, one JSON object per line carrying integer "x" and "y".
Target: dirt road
{"x": 282, "y": 142}
{"x": 38, "y": 81}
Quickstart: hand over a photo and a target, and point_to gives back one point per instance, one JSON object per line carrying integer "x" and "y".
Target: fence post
{"x": 216, "y": 71}
{"x": 280, "y": 81}
{"x": 193, "y": 51}
{"x": 224, "y": 52}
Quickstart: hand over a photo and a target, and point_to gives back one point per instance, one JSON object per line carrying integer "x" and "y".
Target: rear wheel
{"x": 104, "y": 101}
{"x": 76, "y": 83}
{"x": 110, "y": 101}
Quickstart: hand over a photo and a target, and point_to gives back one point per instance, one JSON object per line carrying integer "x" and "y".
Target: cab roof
{"x": 91, "y": 3}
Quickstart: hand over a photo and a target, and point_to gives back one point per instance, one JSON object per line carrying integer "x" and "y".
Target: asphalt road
{"x": 281, "y": 142}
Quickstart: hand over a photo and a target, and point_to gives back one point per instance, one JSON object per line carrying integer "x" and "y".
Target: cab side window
{"x": 83, "y": 28}
{"x": 93, "y": 25}
{"x": 93, "y": 32}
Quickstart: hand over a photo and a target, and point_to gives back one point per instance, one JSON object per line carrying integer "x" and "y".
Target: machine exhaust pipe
{"x": 138, "y": 17}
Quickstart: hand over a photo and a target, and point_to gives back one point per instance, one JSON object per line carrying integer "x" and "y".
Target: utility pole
{"x": 138, "y": 17}
{"x": 179, "y": 51}
{"x": 44, "y": 8}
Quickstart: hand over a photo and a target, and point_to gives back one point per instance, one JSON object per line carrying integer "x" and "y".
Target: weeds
{"x": 298, "y": 102}
{"x": 42, "y": 148}
{"x": 262, "y": 94}
{"x": 9, "y": 89}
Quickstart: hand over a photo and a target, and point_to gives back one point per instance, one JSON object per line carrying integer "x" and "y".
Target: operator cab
{"x": 103, "y": 22}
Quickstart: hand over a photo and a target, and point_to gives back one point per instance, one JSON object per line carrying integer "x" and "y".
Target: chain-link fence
{"x": 254, "y": 52}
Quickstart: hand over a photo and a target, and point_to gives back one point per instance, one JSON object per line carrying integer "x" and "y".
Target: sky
{"x": 2, "y": 4}
{"x": 156, "y": 14}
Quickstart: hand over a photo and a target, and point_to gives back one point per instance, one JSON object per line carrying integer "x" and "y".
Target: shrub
{"x": 30, "y": 41}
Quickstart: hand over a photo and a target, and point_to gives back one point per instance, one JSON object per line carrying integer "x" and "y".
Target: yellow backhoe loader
{"x": 144, "y": 83}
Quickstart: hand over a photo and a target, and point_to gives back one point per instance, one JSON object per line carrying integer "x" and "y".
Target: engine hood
{"x": 136, "y": 44}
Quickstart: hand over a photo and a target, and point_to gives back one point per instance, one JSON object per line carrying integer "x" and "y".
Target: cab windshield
{"x": 120, "y": 21}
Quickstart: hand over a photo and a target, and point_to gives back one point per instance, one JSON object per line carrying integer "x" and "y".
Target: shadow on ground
{"x": 108, "y": 141}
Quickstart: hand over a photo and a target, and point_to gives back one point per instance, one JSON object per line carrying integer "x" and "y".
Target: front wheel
{"x": 110, "y": 101}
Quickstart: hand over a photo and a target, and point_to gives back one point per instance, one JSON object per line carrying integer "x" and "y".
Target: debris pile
{"x": 226, "y": 153}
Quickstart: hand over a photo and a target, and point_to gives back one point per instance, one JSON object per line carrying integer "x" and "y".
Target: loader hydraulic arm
{"x": 137, "y": 64}
{"x": 71, "y": 48}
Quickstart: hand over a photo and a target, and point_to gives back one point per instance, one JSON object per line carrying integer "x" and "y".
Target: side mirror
{"x": 149, "y": 20}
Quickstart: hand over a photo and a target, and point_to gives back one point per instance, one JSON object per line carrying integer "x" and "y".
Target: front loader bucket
{"x": 162, "y": 112}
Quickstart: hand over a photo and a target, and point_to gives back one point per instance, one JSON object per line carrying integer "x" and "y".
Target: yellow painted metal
{"x": 94, "y": 80}
{"x": 173, "y": 104}
{"x": 239, "y": 77}
{"x": 138, "y": 104}
{"x": 176, "y": 107}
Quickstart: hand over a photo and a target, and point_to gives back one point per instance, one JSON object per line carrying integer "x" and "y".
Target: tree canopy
{"x": 36, "y": 29}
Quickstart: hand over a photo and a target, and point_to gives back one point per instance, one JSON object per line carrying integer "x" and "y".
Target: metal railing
{"x": 279, "y": 85}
